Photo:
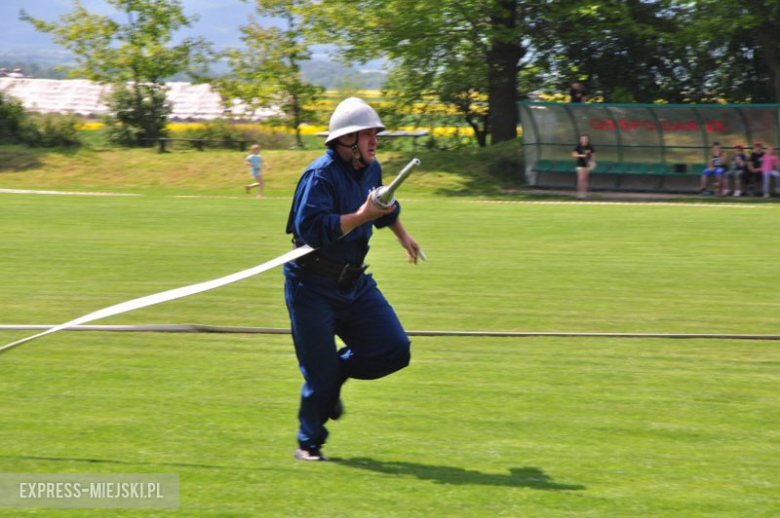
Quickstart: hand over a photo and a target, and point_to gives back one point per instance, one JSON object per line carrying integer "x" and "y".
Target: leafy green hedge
{"x": 36, "y": 130}
{"x": 230, "y": 134}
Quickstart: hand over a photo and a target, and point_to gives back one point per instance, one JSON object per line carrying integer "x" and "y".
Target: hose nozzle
{"x": 384, "y": 197}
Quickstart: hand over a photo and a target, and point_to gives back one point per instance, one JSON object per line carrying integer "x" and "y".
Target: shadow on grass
{"x": 532, "y": 478}
{"x": 17, "y": 160}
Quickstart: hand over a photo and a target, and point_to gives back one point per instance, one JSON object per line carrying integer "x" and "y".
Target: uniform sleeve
{"x": 315, "y": 220}
{"x": 389, "y": 219}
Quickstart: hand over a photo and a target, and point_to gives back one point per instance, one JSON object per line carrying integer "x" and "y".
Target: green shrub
{"x": 504, "y": 162}
{"x": 37, "y": 130}
{"x": 217, "y": 129}
{"x": 12, "y": 116}
{"x": 231, "y": 134}
{"x": 50, "y": 130}
{"x": 140, "y": 115}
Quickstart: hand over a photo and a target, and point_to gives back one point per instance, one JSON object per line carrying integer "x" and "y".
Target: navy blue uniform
{"x": 321, "y": 308}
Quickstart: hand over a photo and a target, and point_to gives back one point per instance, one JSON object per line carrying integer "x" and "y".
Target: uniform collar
{"x": 345, "y": 164}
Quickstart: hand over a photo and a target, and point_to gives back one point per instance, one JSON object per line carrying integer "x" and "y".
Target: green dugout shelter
{"x": 645, "y": 147}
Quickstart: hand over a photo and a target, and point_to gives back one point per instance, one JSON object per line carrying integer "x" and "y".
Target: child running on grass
{"x": 255, "y": 161}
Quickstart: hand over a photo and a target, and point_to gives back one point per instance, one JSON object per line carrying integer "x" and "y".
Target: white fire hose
{"x": 383, "y": 197}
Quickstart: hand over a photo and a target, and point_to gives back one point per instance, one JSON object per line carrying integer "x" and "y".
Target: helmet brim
{"x": 347, "y": 130}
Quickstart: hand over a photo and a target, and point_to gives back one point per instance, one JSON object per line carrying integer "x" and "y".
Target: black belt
{"x": 345, "y": 274}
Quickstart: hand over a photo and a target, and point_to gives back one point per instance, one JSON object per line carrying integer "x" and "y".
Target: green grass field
{"x": 474, "y": 427}
{"x": 222, "y": 172}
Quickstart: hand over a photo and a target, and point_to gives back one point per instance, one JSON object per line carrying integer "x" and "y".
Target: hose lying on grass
{"x": 202, "y": 328}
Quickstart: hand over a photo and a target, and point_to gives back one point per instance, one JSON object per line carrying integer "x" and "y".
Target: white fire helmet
{"x": 350, "y": 116}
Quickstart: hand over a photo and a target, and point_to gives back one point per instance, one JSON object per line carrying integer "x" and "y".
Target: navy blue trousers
{"x": 376, "y": 344}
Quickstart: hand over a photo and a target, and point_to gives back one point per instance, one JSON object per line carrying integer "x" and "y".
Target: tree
{"x": 463, "y": 85}
{"x": 135, "y": 55}
{"x": 431, "y": 88}
{"x": 268, "y": 70}
{"x": 744, "y": 47}
{"x": 504, "y": 51}
{"x": 624, "y": 49}
{"x": 12, "y": 118}
{"x": 455, "y": 49}
{"x": 676, "y": 50}
{"x": 46, "y": 130}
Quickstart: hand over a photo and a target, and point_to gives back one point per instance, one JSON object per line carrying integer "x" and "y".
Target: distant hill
{"x": 333, "y": 76}
{"x": 21, "y": 46}
{"x": 40, "y": 71}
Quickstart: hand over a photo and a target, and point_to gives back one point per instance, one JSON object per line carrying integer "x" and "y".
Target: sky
{"x": 218, "y": 23}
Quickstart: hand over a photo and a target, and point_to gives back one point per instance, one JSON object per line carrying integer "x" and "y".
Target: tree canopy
{"x": 460, "y": 52}
{"x": 267, "y": 71}
{"x": 742, "y": 44}
{"x": 475, "y": 57}
{"x": 134, "y": 52}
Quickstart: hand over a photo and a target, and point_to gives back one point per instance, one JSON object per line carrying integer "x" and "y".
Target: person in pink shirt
{"x": 769, "y": 167}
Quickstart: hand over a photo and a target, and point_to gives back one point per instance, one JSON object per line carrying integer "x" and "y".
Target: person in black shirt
{"x": 753, "y": 175}
{"x": 577, "y": 92}
{"x": 585, "y": 156}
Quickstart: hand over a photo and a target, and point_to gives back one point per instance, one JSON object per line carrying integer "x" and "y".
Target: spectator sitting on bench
{"x": 769, "y": 167}
{"x": 738, "y": 168}
{"x": 715, "y": 168}
{"x": 753, "y": 174}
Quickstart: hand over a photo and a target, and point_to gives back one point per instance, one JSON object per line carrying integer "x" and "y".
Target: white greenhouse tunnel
{"x": 85, "y": 98}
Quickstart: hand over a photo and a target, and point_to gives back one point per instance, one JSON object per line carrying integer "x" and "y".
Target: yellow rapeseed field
{"x": 306, "y": 129}
{"x": 90, "y": 126}
{"x": 325, "y": 105}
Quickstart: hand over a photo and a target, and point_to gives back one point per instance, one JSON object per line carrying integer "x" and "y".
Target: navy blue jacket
{"x": 329, "y": 188}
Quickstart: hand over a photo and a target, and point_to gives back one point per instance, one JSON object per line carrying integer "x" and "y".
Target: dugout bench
{"x": 617, "y": 176}
{"x": 639, "y": 147}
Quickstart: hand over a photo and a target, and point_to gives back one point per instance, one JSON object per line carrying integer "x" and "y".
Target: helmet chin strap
{"x": 357, "y": 157}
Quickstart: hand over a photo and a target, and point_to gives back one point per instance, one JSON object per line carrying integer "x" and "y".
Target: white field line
{"x": 83, "y": 193}
{"x": 64, "y": 193}
{"x": 209, "y": 197}
{"x": 621, "y": 203}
